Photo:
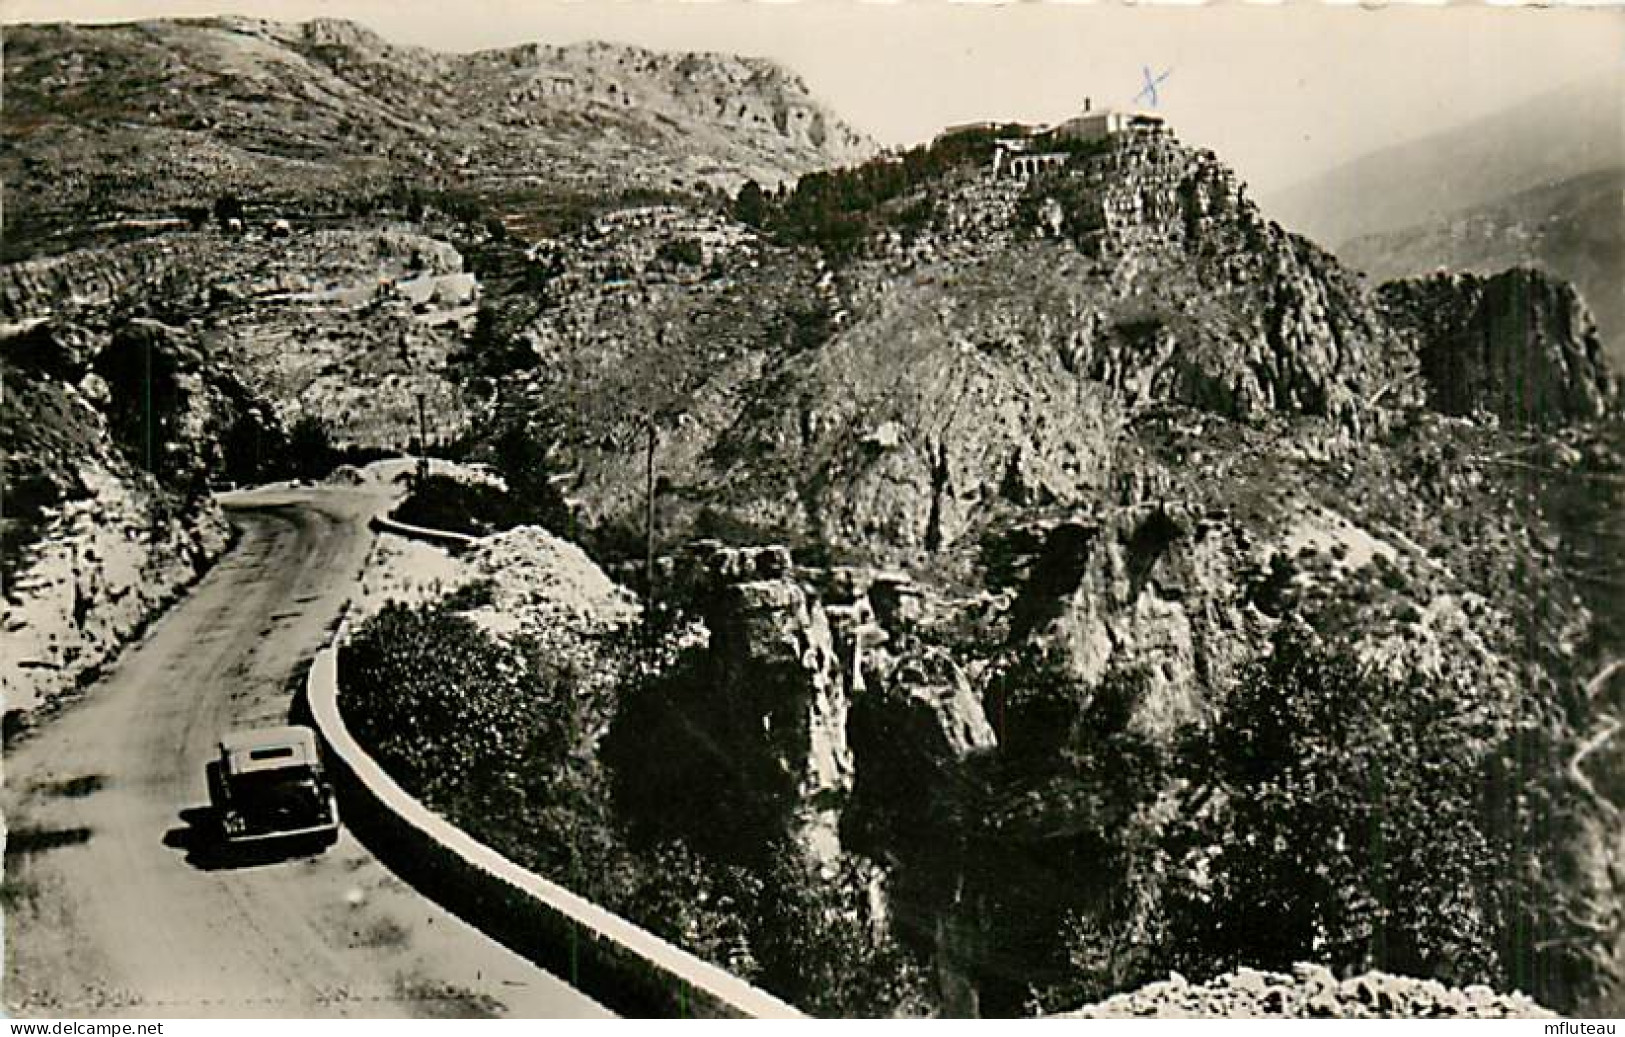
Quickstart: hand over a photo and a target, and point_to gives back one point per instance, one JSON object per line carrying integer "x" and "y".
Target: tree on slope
{"x": 1347, "y": 827}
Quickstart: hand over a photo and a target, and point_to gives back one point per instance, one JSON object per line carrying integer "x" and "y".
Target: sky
{"x": 1281, "y": 92}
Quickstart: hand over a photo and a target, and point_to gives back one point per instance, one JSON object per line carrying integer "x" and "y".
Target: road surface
{"x": 107, "y": 911}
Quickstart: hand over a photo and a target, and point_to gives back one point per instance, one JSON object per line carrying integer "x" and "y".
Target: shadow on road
{"x": 198, "y": 835}
{"x": 25, "y": 841}
{"x": 76, "y": 788}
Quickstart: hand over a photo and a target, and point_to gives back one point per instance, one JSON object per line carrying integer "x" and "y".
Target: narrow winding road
{"x": 107, "y": 913}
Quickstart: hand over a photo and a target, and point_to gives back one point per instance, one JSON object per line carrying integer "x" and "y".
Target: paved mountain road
{"x": 107, "y": 912}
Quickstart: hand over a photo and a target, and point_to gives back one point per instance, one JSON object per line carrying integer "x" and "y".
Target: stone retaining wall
{"x": 453, "y": 542}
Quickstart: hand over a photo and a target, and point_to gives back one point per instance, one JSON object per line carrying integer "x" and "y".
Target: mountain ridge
{"x": 1097, "y": 440}
{"x": 330, "y": 110}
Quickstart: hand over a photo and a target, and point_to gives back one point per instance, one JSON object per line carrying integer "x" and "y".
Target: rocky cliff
{"x": 142, "y": 374}
{"x": 1519, "y": 344}
{"x": 343, "y": 325}
{"x": 751, "y": 715}
{"x": 111, "y": 437}
{"x": 987, "y": 747}
{"x": 1569, "y": 226}
{"x": 987, "y": 501}
{"x": 979, "y": 360}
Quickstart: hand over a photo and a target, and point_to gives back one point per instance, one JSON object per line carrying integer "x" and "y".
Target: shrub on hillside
{"x": 521, "y": 459}
{"x": 681, "y": 252}
{"x": 310, "y": 448}
{"x": 474, "y": 508}
{"x": 253, "y": 449}
{"x": 31, "y": 498}
{"x": 1063, "y": 858}
{"x": 820, "y": 945}
{"x": 459, "y": 735}
{"x": 228, "y": 207}
{"x": 495, "y": 348}
{"x": 836, "y": 210}
{"x": 1367, "y": 821}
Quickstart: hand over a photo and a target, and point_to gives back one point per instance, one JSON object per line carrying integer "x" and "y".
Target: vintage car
{"x": 268, "y": 785}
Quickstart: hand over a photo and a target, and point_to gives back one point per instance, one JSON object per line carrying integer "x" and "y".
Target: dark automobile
{"x": 268, "y": 785}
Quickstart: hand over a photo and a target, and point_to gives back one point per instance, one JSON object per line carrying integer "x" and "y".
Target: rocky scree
{"x": 1311, "y": 992}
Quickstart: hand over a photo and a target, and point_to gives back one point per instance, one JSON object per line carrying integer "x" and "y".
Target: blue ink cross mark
{"x": 1149, "y": 91}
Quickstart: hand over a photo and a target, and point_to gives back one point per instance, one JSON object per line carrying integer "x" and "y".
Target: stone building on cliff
{"x": 1023, "y": 150}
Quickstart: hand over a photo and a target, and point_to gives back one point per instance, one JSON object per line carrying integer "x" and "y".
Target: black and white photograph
{"x": 838, "y": 509}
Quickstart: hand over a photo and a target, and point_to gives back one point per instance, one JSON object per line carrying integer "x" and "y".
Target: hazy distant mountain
{"x": 1552, "y": 138}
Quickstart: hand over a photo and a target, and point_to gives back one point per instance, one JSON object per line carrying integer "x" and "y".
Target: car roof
{"x": 242, "y": 742}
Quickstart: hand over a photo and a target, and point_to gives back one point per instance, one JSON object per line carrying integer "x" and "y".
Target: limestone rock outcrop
{"x": 1150, "y": 591}
{"x": 1520, "y": 345}
{"x": 344, "y": 326}
{"x": 751, "y": 721}
{"x": 915, "y": 732}
{"x": 804, "y": 699}
{"x": 895, "y": 403}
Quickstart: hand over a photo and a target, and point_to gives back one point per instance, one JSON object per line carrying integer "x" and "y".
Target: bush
{"x": 474, "y": 508}
{"x": 492, "y": 350}
{"x": 700, "y": 905}
{"x": 470, "y": 596}
{"x": 820, "y": 946}
{"x": 521, "y": 460}
{"x": 460, "y": 736}
{"x": 1350, "y": 828}
{"x": 310, "y": 448}
{"x": 1114, "y": 947}
{"x": 482, "y": 508}
{"x": 1063, "y": 860}
{"x": 750, "y": 206}
{"x": 228, "y": 207}
{"x": 681, "y": 252}
{"x": 30, "y": 497}
{"x": 253, "y": 449}
{"x": 837, "y": 209}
